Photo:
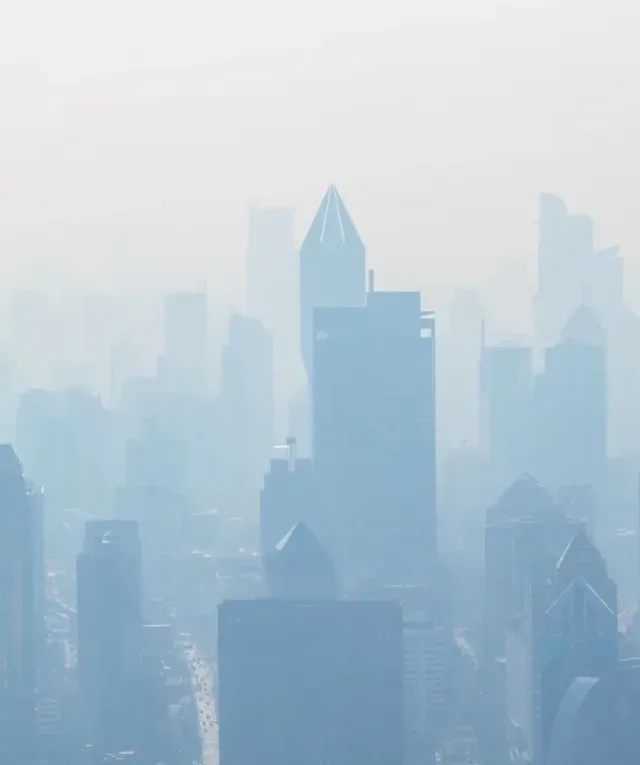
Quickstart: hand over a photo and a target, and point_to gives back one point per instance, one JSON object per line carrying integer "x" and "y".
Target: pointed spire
{"x": 332, "y": 225}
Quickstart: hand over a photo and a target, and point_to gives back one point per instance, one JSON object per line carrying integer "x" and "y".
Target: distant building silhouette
{"x": 332, "y": 267}
{"x": 570, "y": 441}
{"x": 184, "y": 365}
{"x": 273, "y": 297}
{"x": 299, "y": 568}
{"x": 374, "y": 436}
{"x": 507, "y": 401}
{"x": 109, "y": 634}
{"x": 19, "y": 628}
{"x": 247, "y": 406}
{"x": 310, "y": 681}
{"x": 565, "y": 255}
{"x": 463, "y": 348}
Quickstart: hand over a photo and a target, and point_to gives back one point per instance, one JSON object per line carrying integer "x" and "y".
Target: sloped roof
{"x": 332, "y": 224}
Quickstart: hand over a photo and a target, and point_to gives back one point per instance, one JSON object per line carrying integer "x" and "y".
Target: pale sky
{"x": 133, "y": 134}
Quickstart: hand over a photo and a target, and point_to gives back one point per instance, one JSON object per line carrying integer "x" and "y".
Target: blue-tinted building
{"x": 374, "y": 437}
{"x": 310, "y": 682}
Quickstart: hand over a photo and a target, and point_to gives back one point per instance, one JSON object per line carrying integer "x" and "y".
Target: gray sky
{"x": 134, "y": 133}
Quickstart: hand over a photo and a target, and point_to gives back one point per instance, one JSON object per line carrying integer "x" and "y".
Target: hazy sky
{"x": 134, "y": 133}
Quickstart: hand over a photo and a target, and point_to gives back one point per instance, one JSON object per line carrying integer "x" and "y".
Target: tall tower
{"x": 570, "y": 435}
{"x": 17, "y": 611}
{"x": 272, "y": 297}
{"x": 374, "y": 436}
{"x": 332, "y": 267}
{"x": 565, "y": 259}
{"x": 184, "y": 365}
{"x": 246, "y": 397}
{"x": 109, "y": 633}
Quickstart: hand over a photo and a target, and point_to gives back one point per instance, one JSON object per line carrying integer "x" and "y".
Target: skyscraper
{"x": 273, "y": 275}
{"x": 525, "y": 529}
{"x": 246, "y": 393}
{"x": 332, "y": 267}
{"x": 184, "y": 365}
{"x": 18, "y": 628}
{"x": 565, "y": 259}
{"x": 567, "y": 629}
{"x": 311, "y": 681}
{"x": 287, "y": 497}
{"x": 374, "y": 436}
{"x": 507, "y": 399}
{"x": 570, "y": 438}
{"x": 109, "y": 634}
{"x": 300, "y": 568}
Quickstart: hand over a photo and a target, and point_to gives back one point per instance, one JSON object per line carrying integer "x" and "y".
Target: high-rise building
{"x": 109, "y": 634}
{"x": 246, "y": 394}
{"x": 310, "y": 681}
{"x": 299, "y": 568}
{"x": 507, "y": 399}
{"x": 374, "y": 437}
{"x": 565, "y": 256}
{"x": 332, "y": 267}
{"x": 184, "y": 365}
{"x": 18, "y": 602}
{"x": 568, "y": 629}
{"x": 570, "y": 438}
{"x": 287, "y": 497}
{"x": 525, "y": 528}
{"x": 272, "y": 297}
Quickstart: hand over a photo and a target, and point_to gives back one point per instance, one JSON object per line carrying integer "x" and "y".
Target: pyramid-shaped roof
{"x": 526, "y": 498}
{"x": 332, "y": 225}
{"x": 581, "y": 553}
{"x": 301, "y": 543}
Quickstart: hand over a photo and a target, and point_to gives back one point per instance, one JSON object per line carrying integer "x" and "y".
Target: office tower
{"x": 272, "y": 297}
{"x": 565, "y": 256}
{"x": 18, "y": 627}
{"x": 525, "y": 528}
{"x": 427, "y": 672}
{"x": 506, "y": 401}
{"x": 184, "y": 366}
{"x": 332, "y": 267}
{"x": 109, "y": 634}
{"x": 568, "y": 629}
{"x": 288, "y": 496}
{"x": 246, "y": 394}
{"x": 459, "y": 396}
{"x": 571, "y": 408}
{"x": 374, "y": 437}
{"x": 299, "y": 568}
{"x": 310, "y": 681}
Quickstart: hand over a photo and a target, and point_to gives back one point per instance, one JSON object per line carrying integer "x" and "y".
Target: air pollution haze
{"x": 319, "y": 382}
